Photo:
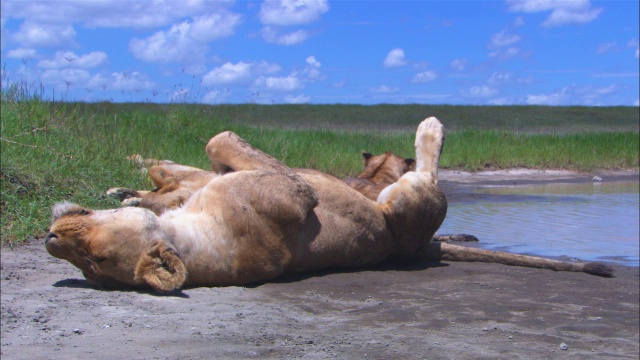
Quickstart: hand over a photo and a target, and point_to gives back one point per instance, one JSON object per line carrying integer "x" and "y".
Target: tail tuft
{"x": 599, "y": 269}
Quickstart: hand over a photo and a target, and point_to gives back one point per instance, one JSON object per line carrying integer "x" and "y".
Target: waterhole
{"x": 591, "y": 221}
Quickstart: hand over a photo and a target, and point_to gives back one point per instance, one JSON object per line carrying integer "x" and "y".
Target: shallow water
{"x": 592, "y": 221}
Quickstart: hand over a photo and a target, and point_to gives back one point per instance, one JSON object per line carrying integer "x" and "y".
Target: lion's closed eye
{"x": 98, "y": 259}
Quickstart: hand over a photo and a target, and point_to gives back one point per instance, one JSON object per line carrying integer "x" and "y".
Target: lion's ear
{"x": 366, "y": 156}
{"x": 161, "y": 268}
{"x": 410, "y": 164}
{"x": 159, "y": 175}
{"x": 170, "y": 184}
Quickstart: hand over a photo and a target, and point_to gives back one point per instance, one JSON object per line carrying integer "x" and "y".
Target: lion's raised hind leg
{"x": 229, "y": 152}
{"x": 414, "y": 206}
{"x": 429, "y": 143}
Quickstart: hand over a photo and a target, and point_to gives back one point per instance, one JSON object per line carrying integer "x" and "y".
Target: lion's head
{"x": 386, "y": 167}
{"x": 115, "y": 248}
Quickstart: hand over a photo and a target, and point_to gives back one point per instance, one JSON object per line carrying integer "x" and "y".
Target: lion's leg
{"x": 414, "y": 206}
{"x": 229, "y": 152}
{"x": 429, "y": 143}
{"x": 124, "y": 193}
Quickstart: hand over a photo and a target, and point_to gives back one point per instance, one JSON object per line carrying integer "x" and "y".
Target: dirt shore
{"x": 411, "y": 311}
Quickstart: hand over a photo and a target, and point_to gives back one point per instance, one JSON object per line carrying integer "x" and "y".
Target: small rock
{"x": 78, "y": 331}
{"x": 563, "y": 346}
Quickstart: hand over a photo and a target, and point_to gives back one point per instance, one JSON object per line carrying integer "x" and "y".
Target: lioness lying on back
{"x": 258, "y": 222}
{"x": 175, "y": 183}
{"x": 255, "y": 223}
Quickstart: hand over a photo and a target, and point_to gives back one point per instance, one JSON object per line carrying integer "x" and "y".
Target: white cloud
{"x": 216, "y": 96}
{"x": 22, "y": 53}
{"x": 296, "y": 99}
{"x": 173, "y": 45}
{"x": 130, "y": 81}
{"x": 276, "y": 14}
{"x": 499, "y": 77}
{"x": 239, "y": 73}
{"x": 395, "y": 58}
{"x": 287, "y": 83}
{"x": 258, "y": 75}
{"x": 459, "y": 64}
{"x": 545, "y": 5}
{"x": 185, "y": 42}
{"x": 275, "y": 36}
{"x": 312, "y": 70}
{"x": 425, "y": 76}
{"x": 106, "y": 13}
{"x": 482, "y": 91}
{"x": 291, "y": 12}
{"x": 65, "y": 79}
{"x": 499, "y": 101}
{"x": 214, "y": 26}
{"x": 68, "y": 59}
{"x": 312, "y": 62}
{"x": 180, "y": 95}
{"x": 556, "y": 98}
{"x": 504, "y": 39}
{"x": 570, "y": 95}
{"x": 563, "y": 12}
{"x": 384, "y": 89}
{"x": 505, "y": 54}
{"x": 44, "y": 35}
{"x": 561, "y": 17}
{"x": 127, "y": 81}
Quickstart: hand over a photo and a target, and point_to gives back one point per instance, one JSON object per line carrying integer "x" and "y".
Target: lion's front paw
{"x": 122, "y": 193}
{"x": 132, "y": 201}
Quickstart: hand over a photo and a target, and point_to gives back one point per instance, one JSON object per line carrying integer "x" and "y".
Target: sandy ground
{"x": 410, "y": 311}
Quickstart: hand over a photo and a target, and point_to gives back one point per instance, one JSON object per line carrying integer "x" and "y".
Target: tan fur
{"x": 252, "y": 224}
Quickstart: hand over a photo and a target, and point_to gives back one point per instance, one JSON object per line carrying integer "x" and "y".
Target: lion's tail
{"x": 444, "y": 251}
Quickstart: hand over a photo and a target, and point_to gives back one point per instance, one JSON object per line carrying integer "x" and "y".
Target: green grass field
{"x": 54, "y": 151}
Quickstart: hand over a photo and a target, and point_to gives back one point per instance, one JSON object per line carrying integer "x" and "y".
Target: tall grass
{"x": 476, "y": 150}
{"x": 52, "y": 151}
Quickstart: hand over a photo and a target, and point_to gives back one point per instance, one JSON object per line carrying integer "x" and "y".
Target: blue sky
{"x": 542, "y": 52}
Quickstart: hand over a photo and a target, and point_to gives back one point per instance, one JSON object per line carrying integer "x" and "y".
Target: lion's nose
{"x": 49, "y": 237}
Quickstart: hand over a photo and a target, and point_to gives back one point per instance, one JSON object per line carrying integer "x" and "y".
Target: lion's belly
{"x": 344, "y": 230}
